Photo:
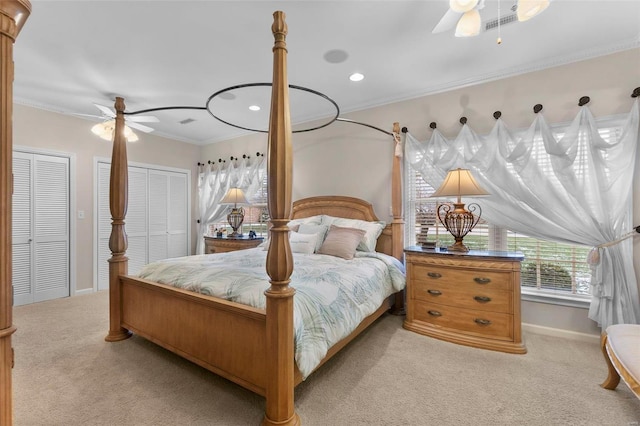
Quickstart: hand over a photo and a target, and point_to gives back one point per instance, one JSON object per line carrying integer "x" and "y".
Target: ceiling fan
{"x": 105, "y": 128}
{"x": 464, "y": 15}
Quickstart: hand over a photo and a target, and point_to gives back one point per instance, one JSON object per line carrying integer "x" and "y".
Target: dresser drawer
{"x": 494, "y": 324}
{"x": 478, "y": 297}
{"x": 468, "y": 278}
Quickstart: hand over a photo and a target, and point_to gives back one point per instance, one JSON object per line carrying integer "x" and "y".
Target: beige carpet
{"x": 66, "y": 374}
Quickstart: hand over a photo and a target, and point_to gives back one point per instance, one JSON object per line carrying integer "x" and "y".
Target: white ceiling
{"x": 72, "y": 54}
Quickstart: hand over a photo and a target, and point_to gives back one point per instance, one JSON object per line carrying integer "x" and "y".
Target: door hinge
{"x": 13, "y": 357}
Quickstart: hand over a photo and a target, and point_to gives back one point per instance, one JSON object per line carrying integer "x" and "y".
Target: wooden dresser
{"x": 224, "y": 244}
{"x": 468, "y": 298}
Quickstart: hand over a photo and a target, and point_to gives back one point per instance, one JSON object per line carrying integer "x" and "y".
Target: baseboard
{"x": 83, "y": 291}
{"x": 558, "y": 332}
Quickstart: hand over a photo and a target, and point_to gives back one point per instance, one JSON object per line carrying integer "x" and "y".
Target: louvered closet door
{"x": 135, "y": 222}
{"x": 41, "y": 228}
{"x": 22, "y": 220}
{"x": 177, "y": 225}
{"x": 158, "y": 215}
{"x": 168, "y": 215}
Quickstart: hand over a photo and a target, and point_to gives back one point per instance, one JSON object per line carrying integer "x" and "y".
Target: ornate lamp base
{"x": 458, "y": 222}
{"x": 235, "y": 219}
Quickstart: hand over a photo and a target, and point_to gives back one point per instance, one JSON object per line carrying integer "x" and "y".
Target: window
{"x": 550, "y": 268}
{"x": 256, "y": 215}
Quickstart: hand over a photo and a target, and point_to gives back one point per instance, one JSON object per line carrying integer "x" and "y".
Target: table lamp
{"x": 458, "y": 220}
{"x": 235, "y": 196}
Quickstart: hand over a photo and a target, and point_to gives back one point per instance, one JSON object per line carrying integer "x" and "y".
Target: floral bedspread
{"x": 332, "y": 297}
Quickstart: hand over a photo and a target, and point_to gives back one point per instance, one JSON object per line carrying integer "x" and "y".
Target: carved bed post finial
{"x": 279, "y": 409}
{"x": 118, "y": 199}
{"x": 13, "y": 15}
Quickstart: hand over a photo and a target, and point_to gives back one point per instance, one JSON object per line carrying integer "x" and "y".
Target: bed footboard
{"x": 224, "y": 337}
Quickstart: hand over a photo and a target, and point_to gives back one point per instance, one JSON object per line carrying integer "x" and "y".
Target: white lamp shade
{"x": 527, "y": 9}
{"x": 469, "y": 25}
{"x": 459, "y": 182}
{"x": 105, "y": 131}
{"x": 462, "y": 6}
{"x": 234, "y": 196}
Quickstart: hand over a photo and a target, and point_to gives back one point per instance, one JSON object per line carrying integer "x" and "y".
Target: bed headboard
{"x": 341, "y": 206}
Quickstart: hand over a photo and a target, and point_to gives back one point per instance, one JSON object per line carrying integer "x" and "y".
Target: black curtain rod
{"x": 536, "y": 109}
{"x": 232, "y": 158}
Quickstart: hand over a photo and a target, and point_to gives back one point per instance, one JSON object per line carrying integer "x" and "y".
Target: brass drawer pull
{"x": 482, "y": 321}
{"x": 434, "y": 313}
{"x": 434, "y": 292}
{"x": 481, "y": 280}
{"x": 434, "y": 275}
{"x": 482, "y": 299}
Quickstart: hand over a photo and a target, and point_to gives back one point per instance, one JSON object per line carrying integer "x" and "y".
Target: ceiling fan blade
{"x": 106, "y": 110}
{"x": 447, "y": 22}
{"x": 143, "y": 118}
{"x": 140, "y": 127}
{"x": 87, "y": 115}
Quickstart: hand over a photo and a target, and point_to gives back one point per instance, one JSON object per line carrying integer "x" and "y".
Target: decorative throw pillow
{"x": 321, "y": 230}
{"x": 341, "y": 242}
{"x": 372, "y": 230}
{"x": 302, "y": 243}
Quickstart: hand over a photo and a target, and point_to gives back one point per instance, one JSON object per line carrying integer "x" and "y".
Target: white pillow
{"x": 293, "y": 226}
{"x": 302, "y": 243}
{"x": 311, "y": 220}
{"x": 372, "y": 230}
{"x": 320, "y": 230}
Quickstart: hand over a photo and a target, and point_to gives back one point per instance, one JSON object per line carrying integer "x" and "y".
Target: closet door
{"x": 41, "y": 228}
{"x": 178, "y": 215}
{"x": 157, "y": 221}
{"x": 158, "y": 215}
{"x": 168, "y": 215}
{"x": 21, "y": 222}
{"x": 135, "y": 222}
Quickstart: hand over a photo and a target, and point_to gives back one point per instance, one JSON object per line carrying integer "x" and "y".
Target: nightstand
{"x": 468, "y": 298}
{"x": 224, "y": 244}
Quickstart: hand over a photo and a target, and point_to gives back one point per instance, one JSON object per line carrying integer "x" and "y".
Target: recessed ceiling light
{"x": 254, "y": 108}
{"x": 336, "y": 56}
{"x": 227, "y": 96}
{"x": 356, "y": 76}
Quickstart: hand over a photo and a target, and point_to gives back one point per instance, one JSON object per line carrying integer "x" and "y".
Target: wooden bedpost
{"x": 279, "y": 408}
{"x": 118, "y": 199}
{"x": 13, "y": 15}
{"x": 397, "y": 224}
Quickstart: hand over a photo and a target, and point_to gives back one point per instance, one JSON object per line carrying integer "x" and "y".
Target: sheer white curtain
{"x": 574, "y": 187}
{"x": 214, "y": 182}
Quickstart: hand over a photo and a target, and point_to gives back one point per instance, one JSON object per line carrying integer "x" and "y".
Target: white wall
{"x": 37, "y": 128}
{"x": 345, "y": 159}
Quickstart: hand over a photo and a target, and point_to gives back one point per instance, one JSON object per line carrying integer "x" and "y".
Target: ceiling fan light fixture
{"x": 469, "y": 25}
{"x": 105, "y": 130}
{"x": 462, "y": 6}
{"x": 527, "y": 9}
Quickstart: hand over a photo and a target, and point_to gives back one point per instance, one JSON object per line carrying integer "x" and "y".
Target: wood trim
{"x": 13, "y": 15}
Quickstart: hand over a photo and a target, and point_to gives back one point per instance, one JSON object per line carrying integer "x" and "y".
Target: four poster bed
{"x": 250, "y": 346}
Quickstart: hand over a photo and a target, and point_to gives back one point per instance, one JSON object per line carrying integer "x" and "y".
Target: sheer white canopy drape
{"x": 574, "y": 187}
{"x": 214, "y": 182}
